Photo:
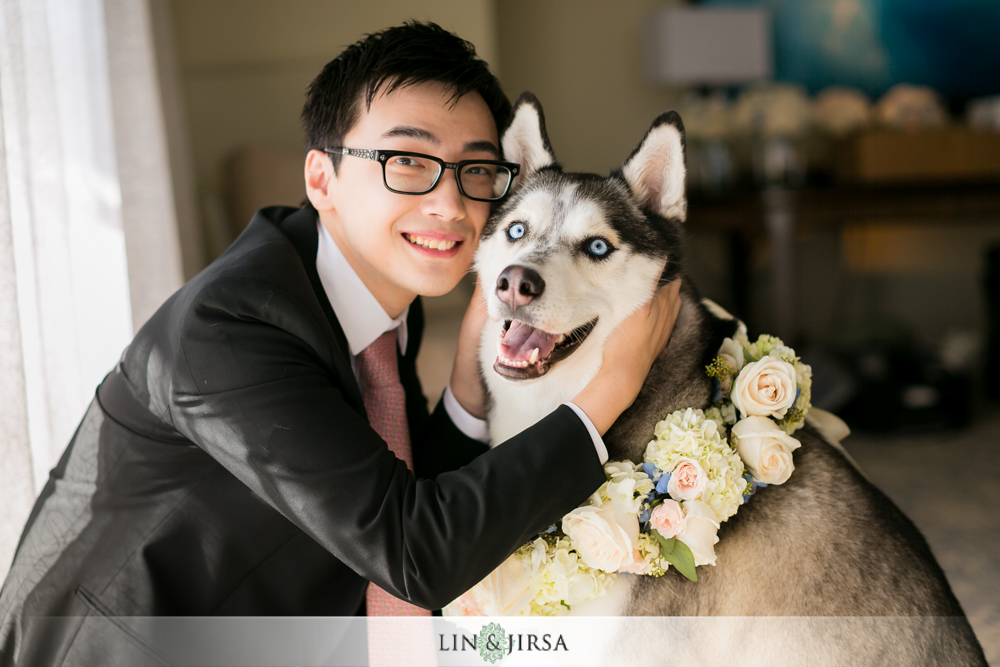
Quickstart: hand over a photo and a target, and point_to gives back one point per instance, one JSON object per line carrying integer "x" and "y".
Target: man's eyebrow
{"x": 487, "y": 146}
{"x": 421, "y": 133}
{"x": 413, "y": 132}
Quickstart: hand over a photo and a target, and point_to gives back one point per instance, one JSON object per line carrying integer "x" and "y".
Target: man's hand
{"x": 628, "y": 355}
{"x": 465, "y": 382}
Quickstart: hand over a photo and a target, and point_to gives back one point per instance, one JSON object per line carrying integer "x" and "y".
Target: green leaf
{"x": 677, "y": 554}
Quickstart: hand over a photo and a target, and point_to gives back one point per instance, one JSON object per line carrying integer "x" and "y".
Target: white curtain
{"x": 71, "y": 152}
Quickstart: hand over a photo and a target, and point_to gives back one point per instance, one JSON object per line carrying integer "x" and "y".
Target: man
{"x": 231, "y": 464}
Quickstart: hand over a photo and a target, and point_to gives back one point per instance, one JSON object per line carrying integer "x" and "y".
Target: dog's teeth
{"x": 534, "y": 356}
{"x": 561, "y": 338}
{"x": 500, "y": 349}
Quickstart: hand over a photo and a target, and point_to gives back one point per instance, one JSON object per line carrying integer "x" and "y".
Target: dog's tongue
{"x": 521, "y": 339}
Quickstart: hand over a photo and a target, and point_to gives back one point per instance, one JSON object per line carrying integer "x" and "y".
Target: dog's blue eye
{"x": 598, "y": 247}
{"x": 515, "y": 231}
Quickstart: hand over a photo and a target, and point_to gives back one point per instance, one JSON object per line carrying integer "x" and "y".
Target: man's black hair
{"x": 384, "y": 61}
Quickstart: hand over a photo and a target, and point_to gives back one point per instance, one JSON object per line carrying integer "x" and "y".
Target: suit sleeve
{"x": 442, "y": 446}
{"x": 252, "y": 388}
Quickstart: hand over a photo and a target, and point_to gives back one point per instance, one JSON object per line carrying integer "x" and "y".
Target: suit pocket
{"x": 105, "y": 639}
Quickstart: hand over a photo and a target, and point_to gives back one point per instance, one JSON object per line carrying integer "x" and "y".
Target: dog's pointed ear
{"x": 655, "y": 169}
{"x": 525, "y": 140}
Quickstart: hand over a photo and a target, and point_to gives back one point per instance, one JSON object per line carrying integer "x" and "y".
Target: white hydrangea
{"x": 803, "y": 381}
{"x": 723, "y": 414}
{"x": 767, "y": 345}
{"x": 558, "y": 577}
{"x": 652, "y": 563}
{"x": 625, "y": 489}
{"x": 690, "y": 434}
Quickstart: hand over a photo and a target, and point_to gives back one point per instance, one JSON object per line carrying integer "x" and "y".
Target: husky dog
{"x": 563, "y": 261}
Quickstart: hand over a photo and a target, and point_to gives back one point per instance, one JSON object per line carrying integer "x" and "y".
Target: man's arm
{"x": 260, "y": 399}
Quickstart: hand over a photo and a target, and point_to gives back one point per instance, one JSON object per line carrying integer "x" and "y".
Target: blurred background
{"x": 844, "y": 189}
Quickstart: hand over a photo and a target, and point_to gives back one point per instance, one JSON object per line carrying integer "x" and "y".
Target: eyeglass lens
{"x": 416, "y": 175}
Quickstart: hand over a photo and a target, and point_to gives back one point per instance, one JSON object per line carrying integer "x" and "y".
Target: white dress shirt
{"x": 363, "y": 320}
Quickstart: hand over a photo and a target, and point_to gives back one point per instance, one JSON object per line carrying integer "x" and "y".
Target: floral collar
{"x": 699, "y": 468}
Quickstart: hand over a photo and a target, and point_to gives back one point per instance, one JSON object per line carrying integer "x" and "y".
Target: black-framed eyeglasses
{"x": 409, "y": 173}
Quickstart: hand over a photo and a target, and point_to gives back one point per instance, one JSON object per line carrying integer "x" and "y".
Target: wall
{"x": 245, "y": 66}
{"x": 583, "y": 60}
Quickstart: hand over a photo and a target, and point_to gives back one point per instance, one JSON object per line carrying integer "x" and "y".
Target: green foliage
{"x": 677, "y": 554}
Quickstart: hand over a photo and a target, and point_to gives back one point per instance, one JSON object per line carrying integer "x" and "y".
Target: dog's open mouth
{"x": 525, "y": 353}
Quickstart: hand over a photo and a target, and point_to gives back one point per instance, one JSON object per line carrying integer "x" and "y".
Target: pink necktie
{"x": 385, "y": 402}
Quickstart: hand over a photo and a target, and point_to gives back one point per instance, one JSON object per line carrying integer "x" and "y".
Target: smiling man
{"x": 263, "y": 446}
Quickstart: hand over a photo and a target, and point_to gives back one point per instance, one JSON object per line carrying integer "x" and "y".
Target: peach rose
{"x": 604, "y": 537}
{"x": 667, "y": 518}
{"x": 765, "y": 388}
{"x": 637, "y": 565}
{"x": 766, "y": 450}
{"x": 687, "y": 481}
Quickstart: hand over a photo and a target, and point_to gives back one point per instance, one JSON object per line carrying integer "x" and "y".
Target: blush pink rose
{"x": 667, "y": 518}
{"x": 466, "y": 605}
{"x": 637, "y": 566}
{"x": 687, "y": 481}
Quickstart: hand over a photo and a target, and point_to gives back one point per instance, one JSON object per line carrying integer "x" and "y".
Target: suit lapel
{"x": 300, "y": 227}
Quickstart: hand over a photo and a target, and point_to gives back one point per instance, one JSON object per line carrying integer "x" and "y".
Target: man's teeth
{"x": 432, "y": 244}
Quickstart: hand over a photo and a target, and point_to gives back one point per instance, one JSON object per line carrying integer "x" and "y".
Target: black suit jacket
{"x": 226, "y": 467}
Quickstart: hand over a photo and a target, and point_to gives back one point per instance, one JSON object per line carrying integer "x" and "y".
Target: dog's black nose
{"x": 518, "y": 285}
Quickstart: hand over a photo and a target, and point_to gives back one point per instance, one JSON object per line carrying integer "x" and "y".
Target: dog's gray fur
{"x": 825, "y": 544}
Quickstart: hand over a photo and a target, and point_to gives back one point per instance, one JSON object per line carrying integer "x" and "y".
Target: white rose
{"x": 699, "y": 531}
{"x": 765, "y": 388}
{"x": 732, "y": 354}
{"x": 504, "y": 592}
{"x": 604, "y": 537}
{"x": 766, "y": 450}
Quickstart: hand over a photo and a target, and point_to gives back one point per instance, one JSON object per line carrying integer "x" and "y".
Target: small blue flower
{"x": 752, "y": 486}
{"x": 551, "y": 529}
{"x": 644, "y": 515}
{"x": 798, "y": 392}
{"x": 661, "y": 486}
{"x": 651, "y": 470}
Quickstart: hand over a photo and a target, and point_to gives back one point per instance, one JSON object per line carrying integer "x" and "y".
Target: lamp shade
{"x": 708, "y": 45}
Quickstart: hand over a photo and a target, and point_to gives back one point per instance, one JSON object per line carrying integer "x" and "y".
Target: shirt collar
{"x": 361, "y": 315}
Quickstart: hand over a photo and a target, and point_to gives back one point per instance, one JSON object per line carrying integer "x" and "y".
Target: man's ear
{"x": 319, "y": 180}
{"x": 655, "y": 169}
{"x": 525, "y": 140}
